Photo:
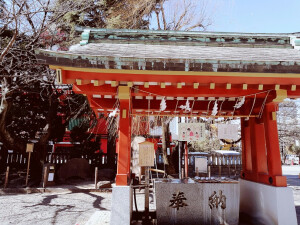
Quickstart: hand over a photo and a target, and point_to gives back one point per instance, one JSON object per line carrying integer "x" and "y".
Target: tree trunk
{"x": 5, "y": 137}
{"x": 3, "y": 158}
{"x": 40, "y": 148}
{"x": 37, "y": 163}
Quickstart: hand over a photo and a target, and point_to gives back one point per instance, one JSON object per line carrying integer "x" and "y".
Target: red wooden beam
{"x": 175, "y": 77}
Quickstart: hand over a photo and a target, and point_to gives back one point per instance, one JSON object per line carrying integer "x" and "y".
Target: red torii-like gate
{"x": 261, "y": 155}
{"x": 139, "y": 68}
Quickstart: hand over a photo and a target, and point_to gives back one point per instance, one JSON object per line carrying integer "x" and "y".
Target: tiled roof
{"x": 194, "y": 38}
{"x": 186, "y": 52}
{"x": 180, "y": 51}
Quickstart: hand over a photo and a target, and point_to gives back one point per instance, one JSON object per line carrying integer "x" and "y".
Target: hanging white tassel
{"x": 240, "y": 103}
{"x": 215, "y": 109}
{"x": 163, "y": 105}
{"x": 113, "y": 113}
{"x": 186, "y": 107}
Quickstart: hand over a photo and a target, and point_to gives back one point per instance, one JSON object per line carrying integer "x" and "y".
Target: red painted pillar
{"x": 272, "y": 144}
{"x": 123, "y": 167}
{"x": 258, "y": 151}
{"x": 246, "y": 147}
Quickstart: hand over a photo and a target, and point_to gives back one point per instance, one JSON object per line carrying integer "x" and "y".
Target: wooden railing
{"x": 217, "y": 164}
{"x": 19, "y": 160}
{"x": 16, "y": 159}
{"x": 224, "y": 160}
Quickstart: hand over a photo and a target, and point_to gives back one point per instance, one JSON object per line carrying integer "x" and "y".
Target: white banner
{"x": 191, "y": 131}
{"x": 228, "y": 131}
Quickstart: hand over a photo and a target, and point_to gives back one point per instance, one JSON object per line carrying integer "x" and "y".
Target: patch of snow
{"x": 75, "y": 48}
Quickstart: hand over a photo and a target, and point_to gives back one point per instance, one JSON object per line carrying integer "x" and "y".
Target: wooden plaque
{"x": 228, "y": 131}
{"x": 146, "y": 154}
{"x": 29, "y": 147}
{"x": 191, "y": 131}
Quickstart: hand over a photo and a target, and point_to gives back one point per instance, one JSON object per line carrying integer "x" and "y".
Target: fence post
{"x": 235, "y": 162}
{"x": 96, "y": 177}
{"x": 45, "y": 176}
{"x": 6, "y": 177}
{"x": 28, "y": 164}
{"x": 179, "y": 161}
{"x": 147, "y": 192}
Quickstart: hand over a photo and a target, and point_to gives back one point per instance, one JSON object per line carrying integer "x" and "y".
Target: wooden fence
{"x": 19, "y": 160}
{"x": 216, "y": 159}
{"x": 99, "y": 160}
{"x": 212, "y": 159}
{"x": 15, "y": 159}
{"x": 218, "y": 164}
{"x": 224, "y": 160}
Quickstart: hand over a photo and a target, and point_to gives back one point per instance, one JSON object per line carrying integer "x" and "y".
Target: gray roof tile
{"x": 186, "y": 52}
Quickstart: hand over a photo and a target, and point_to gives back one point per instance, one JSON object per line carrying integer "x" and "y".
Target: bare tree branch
{"x": 13, "y": 39}
{"x": 163, "y": 15}
{"x": 186, "y": 15}
{"x": 158, "y": 22}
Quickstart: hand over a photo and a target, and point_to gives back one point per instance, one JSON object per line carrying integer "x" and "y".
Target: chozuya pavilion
{"x": 136, "y": 68}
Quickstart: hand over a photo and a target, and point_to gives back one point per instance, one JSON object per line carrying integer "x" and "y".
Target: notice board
{"x": 146, "y": 153}
{"x": 191, "y": 131}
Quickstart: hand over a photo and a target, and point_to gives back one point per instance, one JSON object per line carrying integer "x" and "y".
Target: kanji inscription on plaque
{"x": 217, "y": 200}
{"x": 178, "y": 200}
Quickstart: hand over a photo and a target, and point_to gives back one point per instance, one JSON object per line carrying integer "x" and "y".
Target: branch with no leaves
{"x": 186, "y": 15}
{"x": 13, "y": 39}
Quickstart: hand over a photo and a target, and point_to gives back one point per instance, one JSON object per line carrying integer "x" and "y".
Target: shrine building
{"x": 133, "y": 70}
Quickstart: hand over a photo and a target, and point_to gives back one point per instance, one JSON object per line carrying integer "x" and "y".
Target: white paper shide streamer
{"x": 215, "y": 109}
{"x": 163, "y": 104}
{"x": 186, "y": 107}
{"x": 113, "y": 113}
{"x": 240, "y": 103}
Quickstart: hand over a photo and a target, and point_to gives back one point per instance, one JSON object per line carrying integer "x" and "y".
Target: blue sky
{"x": 254, "y": 16}
{"x": 258, "y": 16}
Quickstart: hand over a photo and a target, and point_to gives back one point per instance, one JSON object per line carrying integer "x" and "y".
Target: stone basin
{"x": 197, "y": 201}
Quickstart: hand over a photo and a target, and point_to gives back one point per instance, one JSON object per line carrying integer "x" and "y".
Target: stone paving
{"x": 64, "y": 208}
{"x": 67, "y": 205}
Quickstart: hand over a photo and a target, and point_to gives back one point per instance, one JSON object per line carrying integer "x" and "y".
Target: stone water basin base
{"x": 195, "y": 201}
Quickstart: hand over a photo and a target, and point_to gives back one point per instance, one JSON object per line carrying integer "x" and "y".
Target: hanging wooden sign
{"x": 191, "y": 131}
{"x": 228, "y": 131}
{"x": 146, "y": 153}
{"x": 29, "y": 147}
